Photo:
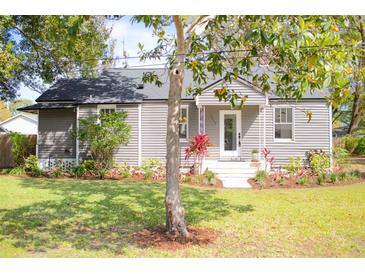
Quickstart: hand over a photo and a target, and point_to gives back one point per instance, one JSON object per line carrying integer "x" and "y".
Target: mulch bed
{"x": 291, "y": 182}
{"x": 158, "y": 238}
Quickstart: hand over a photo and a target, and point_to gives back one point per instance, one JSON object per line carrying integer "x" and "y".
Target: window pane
{"x": 289, "y": 116}
{"x": 283, "y": 115}
{"x": 183, "y": 130}
{"x": 277, "y": 115}
{"x": 230, "y": 132}
{"x": 283, "y": 131}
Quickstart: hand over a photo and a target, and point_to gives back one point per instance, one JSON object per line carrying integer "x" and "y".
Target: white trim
{"x": 105, "y": 106}
{"x": 264, "y": 127}
{"x": 199, "y": 120}
{"x": 223, "y": 153}
{"x": 36, "y": 146}
{"x": 330, "y": 134}
{"x": 284, "y": 140}
{"x": 77, "y": 137}
{"x": 139, "y": 134}
{"x": 187, "y": 122}
{"x": 16, "y": 116}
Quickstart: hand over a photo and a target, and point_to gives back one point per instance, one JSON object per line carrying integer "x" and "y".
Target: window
{"x": 105, "y": 109}
{"x": 183, "y": 122}
{"x": 284, "y": 123}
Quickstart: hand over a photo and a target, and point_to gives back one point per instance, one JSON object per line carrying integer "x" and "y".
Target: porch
{"x": 233, "y": 134}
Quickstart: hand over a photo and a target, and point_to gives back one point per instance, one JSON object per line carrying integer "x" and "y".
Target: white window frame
{"x": 187, "y": 123}
{"x": 284, "y": 140}
{"x": 105, "y": 106}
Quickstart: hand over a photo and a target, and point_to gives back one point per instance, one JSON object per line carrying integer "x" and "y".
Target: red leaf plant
{"x": 199, "y": 149}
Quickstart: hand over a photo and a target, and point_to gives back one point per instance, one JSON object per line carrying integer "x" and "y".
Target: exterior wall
{"x": 21, "y": 124}
{"x": 307, "y": 135}
{"x": 154, "y": 119}
{"x": 240, "y": 87}
{"x": 55, "y": 133}
{"x": 129, "y": 153}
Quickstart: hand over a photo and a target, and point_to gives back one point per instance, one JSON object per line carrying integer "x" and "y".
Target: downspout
{"x": 139, "y": 134}
{"x": 330, "y": 134}
{"x": 77, "y": 137}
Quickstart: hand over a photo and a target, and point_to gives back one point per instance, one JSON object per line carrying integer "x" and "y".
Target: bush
{"x": 333, "y": 178}
{"x": 198, "y": 148}
{"x": 350, "y": 143}
{"x": 341, "y": 156}
{"x": 153, "y": 169}
{"x": 32, "y": 167}
{"x": 124, "y": 170}
{"x": 17, "y": 171}
{"x": 260, "y": 177}
{"x": 294, "y": 165}
{"x": 319, "y": 161}
{"x": 349, "y": 175}
{"x": 321, "y": 178}
{"x": 104, "y": 133}
{"x": 360, "y": 148}
{"x": 210, "y": 175}
{"x": 78, "y": 171}
{"x": 21, "y": 147}
{"x": 302, "y": 180}
{"x": 57, "y": 170}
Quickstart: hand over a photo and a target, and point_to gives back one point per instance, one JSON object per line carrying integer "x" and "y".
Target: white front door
{"x": 229, "y": 133}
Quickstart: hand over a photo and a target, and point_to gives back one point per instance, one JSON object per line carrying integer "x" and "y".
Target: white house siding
{"x": 307, "y": 135}
{"x": 154, "y": 120}
{"x": 55, "y": 138}
{"x": 254, "y": 97}
{"x": 129, "y": 153}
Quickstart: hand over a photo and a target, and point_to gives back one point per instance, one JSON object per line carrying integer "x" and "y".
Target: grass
{"x": 76, "y": 218}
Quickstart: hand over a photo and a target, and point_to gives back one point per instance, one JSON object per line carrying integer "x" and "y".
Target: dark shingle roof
{"x": 119, "y": 85}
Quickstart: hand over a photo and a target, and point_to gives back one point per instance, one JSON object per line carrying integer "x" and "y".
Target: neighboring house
{"x": 22, "y": 123}
{"x": 264, "y": 121}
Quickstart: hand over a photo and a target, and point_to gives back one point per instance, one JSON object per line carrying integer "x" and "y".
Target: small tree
{"x": 22, "y": 147}
{"x": 104, "y": 133}
{"x": 199, "y": 148}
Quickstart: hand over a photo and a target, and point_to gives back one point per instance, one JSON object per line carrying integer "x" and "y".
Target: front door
{"x": 230, "y": 133}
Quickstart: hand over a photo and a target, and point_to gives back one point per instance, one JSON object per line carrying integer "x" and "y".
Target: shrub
{"x": 89, "y": 165}
{"x": 333, "y": 178}
{"x": 349, "y": 175}
{"x": 321, "y": 178}
{"x": 153, "y": 169}
{"x": 32, "y": 167}
{"x": 260, "y": 177}
{"x": 360, "y": 148}
{"x": 21, "y": 147}
{"x": 319, "y": 161}
{"x": 104, "y": 133}
{"x": 198, "y": 148}
{"x": 17, "y": 171}
{"x": 302, "y": 180}
{"x": 57, "y": 170}
{"x": 124, "y": 170}
{"x": 341, "y": 156}
{"x": 294, "y": 165}
{"x": 79, "y": 171}
{"x": 210, "y": 175}
{"x": 351, "y": 143}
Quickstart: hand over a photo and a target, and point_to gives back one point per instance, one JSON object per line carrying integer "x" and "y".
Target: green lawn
{"x": 70, "y": 218}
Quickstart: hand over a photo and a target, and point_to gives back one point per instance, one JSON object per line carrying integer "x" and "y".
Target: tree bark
{"x": 357, "y": 107}
{"x": 175, "y": 220}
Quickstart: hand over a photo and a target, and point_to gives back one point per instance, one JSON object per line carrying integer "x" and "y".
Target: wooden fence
{"x": 6, "y": 156}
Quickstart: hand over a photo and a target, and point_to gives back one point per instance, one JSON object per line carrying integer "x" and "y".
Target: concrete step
{"x": 234, "y": 181}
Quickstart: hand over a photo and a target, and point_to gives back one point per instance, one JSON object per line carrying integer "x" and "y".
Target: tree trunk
{"x": 357, "y": 107}
{"x": 175, "y": 221}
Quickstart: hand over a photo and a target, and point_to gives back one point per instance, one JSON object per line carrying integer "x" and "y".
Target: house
{"x": 265, "y": 121}
{"x": 21, "y": 123}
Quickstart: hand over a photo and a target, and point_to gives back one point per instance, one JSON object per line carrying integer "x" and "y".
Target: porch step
{"x": 234, "y": 174}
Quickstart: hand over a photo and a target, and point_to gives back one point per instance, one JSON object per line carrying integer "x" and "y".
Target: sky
{"x": 122, "y": 30}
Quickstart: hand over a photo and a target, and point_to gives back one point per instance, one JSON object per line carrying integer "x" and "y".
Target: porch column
{"x": 201, "y": 119}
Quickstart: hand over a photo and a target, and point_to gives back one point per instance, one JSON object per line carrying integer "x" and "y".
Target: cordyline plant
{"x": 299, "y": 54}
{"x": 198, "y": 148}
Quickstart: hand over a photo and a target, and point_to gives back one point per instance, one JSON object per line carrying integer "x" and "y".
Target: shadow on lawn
{"x": 100, "y": 215}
